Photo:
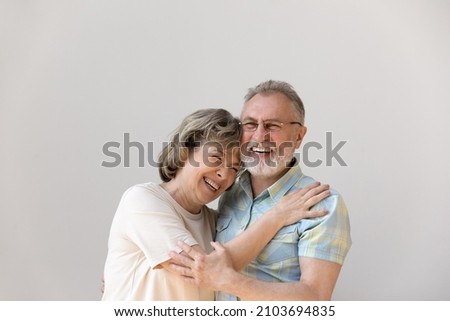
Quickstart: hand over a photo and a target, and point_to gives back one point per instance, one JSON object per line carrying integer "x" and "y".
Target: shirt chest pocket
{"x": 283, "y": 247}
{"x": 223, "y": 232}
{"x": 223, "y": 222}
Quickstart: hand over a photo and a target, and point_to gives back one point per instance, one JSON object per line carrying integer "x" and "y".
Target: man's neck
{"x": 261, "y": 183}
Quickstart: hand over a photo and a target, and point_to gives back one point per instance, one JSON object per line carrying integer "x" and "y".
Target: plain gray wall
{"x": 77, "y": 74}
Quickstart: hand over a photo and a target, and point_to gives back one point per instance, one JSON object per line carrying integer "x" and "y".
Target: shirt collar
{"x": 245, "y": 183}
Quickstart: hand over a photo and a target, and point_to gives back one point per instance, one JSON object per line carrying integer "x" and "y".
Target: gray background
{"x": 77, "y": 74}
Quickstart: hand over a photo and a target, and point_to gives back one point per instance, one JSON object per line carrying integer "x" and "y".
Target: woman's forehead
{"x": 230, "y": 150}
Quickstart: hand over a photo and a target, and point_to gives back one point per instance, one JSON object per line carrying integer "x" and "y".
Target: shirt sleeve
{"x": 153, "y": 225}
{"x": 327, "y": 238}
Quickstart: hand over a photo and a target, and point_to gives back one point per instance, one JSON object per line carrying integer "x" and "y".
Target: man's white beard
{"x": 267, "y": 168}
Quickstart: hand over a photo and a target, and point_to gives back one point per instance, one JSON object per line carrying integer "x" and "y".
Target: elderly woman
{"x": 197, "y": 166}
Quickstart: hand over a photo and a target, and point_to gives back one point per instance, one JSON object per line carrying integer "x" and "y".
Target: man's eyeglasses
{"x": 269, "y": 125}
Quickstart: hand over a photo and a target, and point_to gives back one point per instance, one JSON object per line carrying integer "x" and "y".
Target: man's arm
{"x": 317, "y": 281}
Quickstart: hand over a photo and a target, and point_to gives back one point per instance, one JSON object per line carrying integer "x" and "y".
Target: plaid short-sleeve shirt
{"x": 327, "y": 238}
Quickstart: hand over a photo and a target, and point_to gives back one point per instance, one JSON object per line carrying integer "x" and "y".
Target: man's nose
{"x": 261, "y": 134}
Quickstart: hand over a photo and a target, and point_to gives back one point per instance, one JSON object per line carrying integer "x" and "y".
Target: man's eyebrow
{"x": 265, "y": 120}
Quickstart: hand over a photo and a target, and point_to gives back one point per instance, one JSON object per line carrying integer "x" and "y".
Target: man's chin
{"x": 265, "y": 170}
{"x": 267, "y": 167}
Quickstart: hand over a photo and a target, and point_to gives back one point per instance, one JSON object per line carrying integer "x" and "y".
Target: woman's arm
{"x": 289, "y": 210}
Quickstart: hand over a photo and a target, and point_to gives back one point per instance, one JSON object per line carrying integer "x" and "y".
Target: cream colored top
{"x": 146, "y": 227}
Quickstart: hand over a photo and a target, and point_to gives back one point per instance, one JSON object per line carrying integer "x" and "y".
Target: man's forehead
{"x": 272, "y": 105}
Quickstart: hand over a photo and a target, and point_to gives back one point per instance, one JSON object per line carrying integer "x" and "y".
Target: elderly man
{"x": 303, "y": 260}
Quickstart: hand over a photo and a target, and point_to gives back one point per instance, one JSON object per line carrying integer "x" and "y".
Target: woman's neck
{"x": 181, "y": 196}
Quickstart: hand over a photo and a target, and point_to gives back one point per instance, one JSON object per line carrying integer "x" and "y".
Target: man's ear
{"x": 300, "y": 135}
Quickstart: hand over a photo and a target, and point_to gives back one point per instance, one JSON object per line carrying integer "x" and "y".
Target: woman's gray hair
{"x": 217, "y": 126}
{"x": 274, "y": 86}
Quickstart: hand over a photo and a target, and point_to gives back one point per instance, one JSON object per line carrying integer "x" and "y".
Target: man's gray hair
{"x": 215, "y": 126}
{"x": 274, "y": 86}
